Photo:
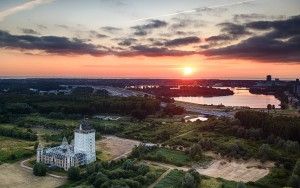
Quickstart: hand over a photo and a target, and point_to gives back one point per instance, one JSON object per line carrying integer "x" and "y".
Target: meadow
{"x": 12, "y": 149}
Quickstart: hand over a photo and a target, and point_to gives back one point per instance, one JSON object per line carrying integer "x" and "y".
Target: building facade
{"x": 79, "y": 152}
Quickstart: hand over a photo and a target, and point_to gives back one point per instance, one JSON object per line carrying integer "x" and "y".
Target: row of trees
{"x": 75, "y": 104}
{"x": 18, "y": 133}
{"x": 285, "y": 127}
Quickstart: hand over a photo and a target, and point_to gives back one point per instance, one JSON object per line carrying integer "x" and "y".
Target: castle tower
{"x": 84, "y": 141}
{"x": 39, "y": 153}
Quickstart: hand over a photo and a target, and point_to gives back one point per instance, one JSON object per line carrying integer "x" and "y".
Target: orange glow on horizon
{"x": 18, "y": 64}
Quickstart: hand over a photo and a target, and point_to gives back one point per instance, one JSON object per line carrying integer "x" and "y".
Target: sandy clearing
{"x": 115, "y": 147}
{"x": 14, "y": 176}
{"x": 240, "y": 171}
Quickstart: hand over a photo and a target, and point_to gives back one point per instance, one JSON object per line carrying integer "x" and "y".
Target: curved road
{"x": 22, "y": 163}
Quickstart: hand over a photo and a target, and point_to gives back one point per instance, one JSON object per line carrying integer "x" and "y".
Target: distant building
{"x": 296, "y": 88}
{"x": 81, "y": 151}
{"x": 269, "y": 78}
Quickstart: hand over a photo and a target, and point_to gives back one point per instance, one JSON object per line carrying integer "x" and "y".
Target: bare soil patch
{"x": 112, "y": 147}
{"x": 14, "y": 176}
{"x": 237, "y": 170}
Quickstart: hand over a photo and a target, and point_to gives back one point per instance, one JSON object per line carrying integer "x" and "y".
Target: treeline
{"x": 17, "y": 133}
{"x": 186, "y": 91}
{"x": 285, "y": 127}
{"x": 74, "y": 105}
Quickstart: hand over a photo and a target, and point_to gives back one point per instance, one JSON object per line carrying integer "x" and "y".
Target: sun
{"x": 187, "y": 71}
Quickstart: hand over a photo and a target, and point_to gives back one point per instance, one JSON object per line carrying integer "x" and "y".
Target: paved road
{"x": 22, "y": 163}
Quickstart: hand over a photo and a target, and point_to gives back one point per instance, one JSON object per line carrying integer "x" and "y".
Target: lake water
{"x": 241, "y": 97}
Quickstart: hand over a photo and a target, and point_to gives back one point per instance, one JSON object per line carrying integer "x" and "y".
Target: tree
{"x": 269, "y": 107}
{"x": 143, "y": 169}
{"x": 265, "y": 152}
{"x": 195, "y": 151}
{"x": 188, "y": 181}
{"x": 196, "y": 175}
{"x": 296, "y": 170}
{"x": 241, "y": 185}
{"x": 39, "y": 169}
{"x": 128, "y": 165}
{"x": 294, "y": 180}
{"x": 74, "y": 173}
{"x": 100, "y": 179}
{"x": 139, "y": 114}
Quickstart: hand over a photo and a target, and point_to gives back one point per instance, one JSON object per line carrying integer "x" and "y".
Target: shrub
{"x": 39, "y": 169}
{"x": 188, "y": 181}
{"x": 74, "y": 173}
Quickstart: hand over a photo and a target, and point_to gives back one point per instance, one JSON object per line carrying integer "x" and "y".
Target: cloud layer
{"x": 280, "y": 42}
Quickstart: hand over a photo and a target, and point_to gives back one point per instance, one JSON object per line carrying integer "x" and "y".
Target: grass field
{"x": 171, "y": 180}
{"x": 178, "y": 158}
{"x": 14, "y": 176}
{"x": 12, "y": 149}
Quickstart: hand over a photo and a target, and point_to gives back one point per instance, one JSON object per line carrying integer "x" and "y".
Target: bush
{"x": 39, "y": 169}
{"x": 188, "y": 181}
{"x": 74, "y": 173}
{"x": 265, "y": 152}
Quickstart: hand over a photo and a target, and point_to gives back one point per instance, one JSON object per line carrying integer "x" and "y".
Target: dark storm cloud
{"x": 143, "y": 50}
{"x": 182, "y": 41}
{"x": 141, "y": 30}
{"x": 29, "y": 31}
{"x": 110, "y": 29}
{"x": 66, "y": 46}
{"x": 229, "y": 32}
{"x": 49, "y": 44}
{"x": 279, "y": 43}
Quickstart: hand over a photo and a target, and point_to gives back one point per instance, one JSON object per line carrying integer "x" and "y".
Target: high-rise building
{"x": 269, "y": 78}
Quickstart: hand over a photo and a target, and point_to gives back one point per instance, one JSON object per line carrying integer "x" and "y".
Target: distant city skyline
{"x": 222, "y": 39}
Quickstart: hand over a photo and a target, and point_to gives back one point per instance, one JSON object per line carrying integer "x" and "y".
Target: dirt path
{"x": 164, "y": 165}
{"x": 22, "y": 164}
{"x": 160, "y": 178}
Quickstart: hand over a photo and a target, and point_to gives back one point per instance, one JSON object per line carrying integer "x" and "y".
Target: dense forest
{"x": 282, "y": 126}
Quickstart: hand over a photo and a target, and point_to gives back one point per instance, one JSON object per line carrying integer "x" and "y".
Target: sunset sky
{"x": 226, "y": 39}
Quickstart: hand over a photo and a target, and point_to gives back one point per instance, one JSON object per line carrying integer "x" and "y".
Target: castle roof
{"x": 85, "y": 127}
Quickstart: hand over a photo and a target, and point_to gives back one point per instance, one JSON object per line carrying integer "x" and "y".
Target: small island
{"x": 185, "y": 91}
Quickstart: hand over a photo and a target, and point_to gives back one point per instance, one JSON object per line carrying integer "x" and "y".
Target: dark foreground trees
{"x": 39, "y": 169}
{"x": 294, "y": 180}
{"x": 74, "y": 173}
{"x": 285, "y": 127}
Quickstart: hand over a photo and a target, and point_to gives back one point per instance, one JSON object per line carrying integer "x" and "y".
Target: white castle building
{"x": 81, "y": 151}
